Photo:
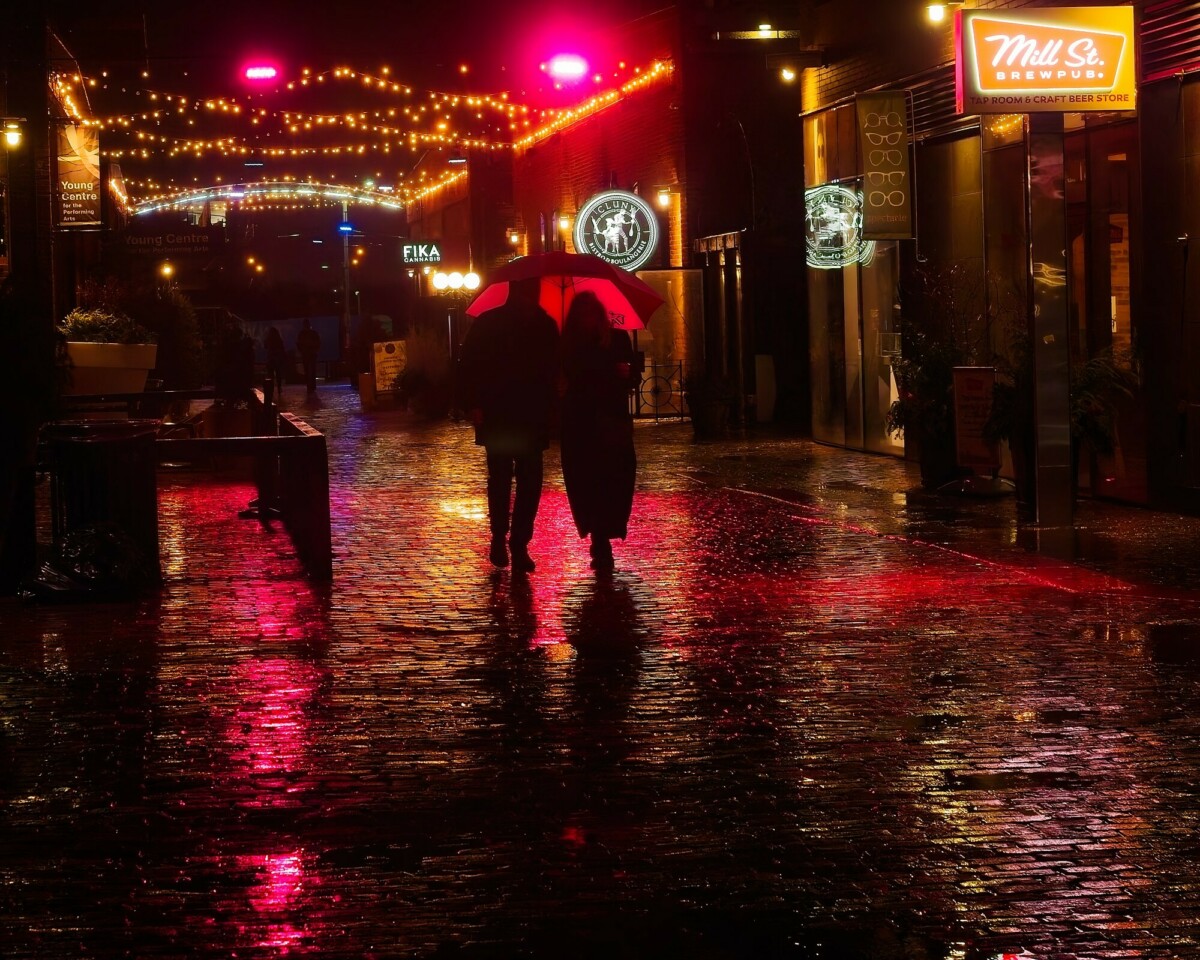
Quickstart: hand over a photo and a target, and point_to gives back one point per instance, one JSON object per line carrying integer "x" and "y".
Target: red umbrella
{"x": 628, "y": 300}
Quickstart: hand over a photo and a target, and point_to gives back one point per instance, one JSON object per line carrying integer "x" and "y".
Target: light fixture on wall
{"x": 664, "y": 197}
{"x": 457, "y": 157}
{"x": 12, "y": 130}
{"x": 936, "y": 12}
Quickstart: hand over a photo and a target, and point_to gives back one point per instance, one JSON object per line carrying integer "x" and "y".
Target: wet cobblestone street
{"x": 811, "y": 714}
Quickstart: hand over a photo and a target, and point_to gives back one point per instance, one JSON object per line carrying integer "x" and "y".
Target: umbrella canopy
{"x": 628, "y": 300}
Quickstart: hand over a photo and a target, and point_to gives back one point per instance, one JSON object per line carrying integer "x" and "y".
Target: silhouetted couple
{"x": 511, "y": 366}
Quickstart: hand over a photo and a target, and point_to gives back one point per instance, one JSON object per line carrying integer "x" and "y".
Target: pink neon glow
{"x": 261, "y": 73}
{"x": 568, "y": 66}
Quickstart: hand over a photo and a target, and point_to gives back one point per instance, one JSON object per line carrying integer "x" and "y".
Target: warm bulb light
{"x": 664, "y": 198}
{"x": 440, "y": 281}
{"x": 787, "y": 74}
{"x": 563, "y": 223}
{"x": 455, "y": 280}
{"x": 471, "y": 281}
{"x": 936, "y": 12}
{"x": 12, "y": 135}
{"x": 166, "y": 270}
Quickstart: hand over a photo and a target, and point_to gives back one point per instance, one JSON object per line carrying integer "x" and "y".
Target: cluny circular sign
{"x": 619, "y": 227}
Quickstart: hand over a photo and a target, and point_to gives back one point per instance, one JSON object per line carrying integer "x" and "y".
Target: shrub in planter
{"x": 109, "y": 351}
{"x": 710, "y": 400}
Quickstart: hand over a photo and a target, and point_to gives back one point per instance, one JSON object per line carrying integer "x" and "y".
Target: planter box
{"x": 110, "y": 367}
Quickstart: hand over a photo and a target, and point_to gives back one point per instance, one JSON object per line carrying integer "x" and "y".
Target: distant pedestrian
{"x": 234, "y": 378}
{"x": 509, "y": 366}
{"x": 308, "y": 344}
{"x": 276, "y": 359}
{"x": 598, "y": 459}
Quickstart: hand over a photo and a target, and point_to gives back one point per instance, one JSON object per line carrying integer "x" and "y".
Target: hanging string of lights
{"x": 275, "y": 132}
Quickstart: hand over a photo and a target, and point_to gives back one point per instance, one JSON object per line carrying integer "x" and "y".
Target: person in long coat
{"x": 509, "y": 365}
{"x": 598, "y": 459}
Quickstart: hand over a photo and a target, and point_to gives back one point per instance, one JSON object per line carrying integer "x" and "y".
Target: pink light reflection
{"x": 268, "y": 733}
{"x": 279, "y": 889}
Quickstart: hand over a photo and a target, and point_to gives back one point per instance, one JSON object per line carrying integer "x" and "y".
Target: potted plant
{"x": 1097, "y": 385}
{"x": 945, "y": 324}
{"x": 109, "y": 351}
{"x": 709, "y": 400}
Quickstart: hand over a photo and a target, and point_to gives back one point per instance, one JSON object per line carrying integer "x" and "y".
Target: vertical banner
{"x": 887, "y": 181}
{"x": 77, "y": 177}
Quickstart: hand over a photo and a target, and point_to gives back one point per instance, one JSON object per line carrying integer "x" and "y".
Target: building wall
{"x": 636, "y": 144}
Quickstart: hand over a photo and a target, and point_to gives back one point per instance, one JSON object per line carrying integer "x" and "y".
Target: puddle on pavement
{"x": 1175, "y": 643}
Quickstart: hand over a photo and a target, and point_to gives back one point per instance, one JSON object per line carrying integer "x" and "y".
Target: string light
{"x": 445, "y": 121}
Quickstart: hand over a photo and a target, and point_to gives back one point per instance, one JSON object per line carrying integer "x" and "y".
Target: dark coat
{"x": 598, "y": 459}
{"x": 509, "y": 368}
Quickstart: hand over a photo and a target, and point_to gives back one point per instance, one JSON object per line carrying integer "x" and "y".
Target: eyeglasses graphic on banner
{"x": 874, "y": 120}
{"x": 882, "y": 120}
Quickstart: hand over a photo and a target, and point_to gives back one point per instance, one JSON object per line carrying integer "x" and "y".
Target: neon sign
{"x": 260, "y": 73}
{"x": 421, "y": 253}
{"x": 617, "y": 226}
{"x": 833, "y": 221}
{"x": 1031, "y": 61}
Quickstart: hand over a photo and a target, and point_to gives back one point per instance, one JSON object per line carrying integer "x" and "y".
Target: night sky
{"x": 424, "y": 43}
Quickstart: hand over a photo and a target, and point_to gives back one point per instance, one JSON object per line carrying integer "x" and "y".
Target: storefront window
{"x": 827, "y": 347}
{"x": 880, "y": 344}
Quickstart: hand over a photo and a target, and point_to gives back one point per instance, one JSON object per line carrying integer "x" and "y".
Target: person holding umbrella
{"x": 598, "y": 458}
{"x": 510, "y": 366}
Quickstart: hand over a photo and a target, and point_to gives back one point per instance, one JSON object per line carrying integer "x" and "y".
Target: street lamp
{"x": 12, "y": 130}
{"x": 456, "y": 287}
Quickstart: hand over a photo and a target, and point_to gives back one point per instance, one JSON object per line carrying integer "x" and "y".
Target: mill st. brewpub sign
{"x": 1064, "y": 59}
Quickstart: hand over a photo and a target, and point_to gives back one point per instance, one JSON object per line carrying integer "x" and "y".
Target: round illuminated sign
{"x": 619, "y": 227}
{"x": 833, "y": 222}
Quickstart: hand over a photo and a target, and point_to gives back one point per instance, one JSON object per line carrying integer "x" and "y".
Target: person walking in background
{"x": 276, "y": 360}
{"x": 308, "y": 343}
{"x": 509, "y": 363}
{"x": 598, "y": 459}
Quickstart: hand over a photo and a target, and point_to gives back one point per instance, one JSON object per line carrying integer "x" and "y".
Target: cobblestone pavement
{"x": 812, "y": 714}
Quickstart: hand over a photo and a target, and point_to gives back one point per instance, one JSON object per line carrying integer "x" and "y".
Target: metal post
{"x": 344, "y": 331}
{"x": 1047, "y": 212}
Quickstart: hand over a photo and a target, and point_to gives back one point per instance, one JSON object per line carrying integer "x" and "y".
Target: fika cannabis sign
{"x": 421, "y": 253}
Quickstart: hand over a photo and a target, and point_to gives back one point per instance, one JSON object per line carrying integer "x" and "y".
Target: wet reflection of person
{"x": 604, "y": 627}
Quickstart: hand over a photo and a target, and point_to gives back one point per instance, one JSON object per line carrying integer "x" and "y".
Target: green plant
{"x": 1097, "y": 384}
{"x": 701, "y": 387}
{"x": 945, "y": 324}
{"x": 104, "y": 325}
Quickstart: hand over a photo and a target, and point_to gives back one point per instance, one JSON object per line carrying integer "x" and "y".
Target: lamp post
{"x": 345, "y": 228}
{"x": 456, "y": 287}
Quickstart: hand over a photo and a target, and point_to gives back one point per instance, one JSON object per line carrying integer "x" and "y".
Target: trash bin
{"x": 104, "y": 471}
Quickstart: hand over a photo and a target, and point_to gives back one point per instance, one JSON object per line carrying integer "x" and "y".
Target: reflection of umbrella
{"x": 628, "y": 300}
